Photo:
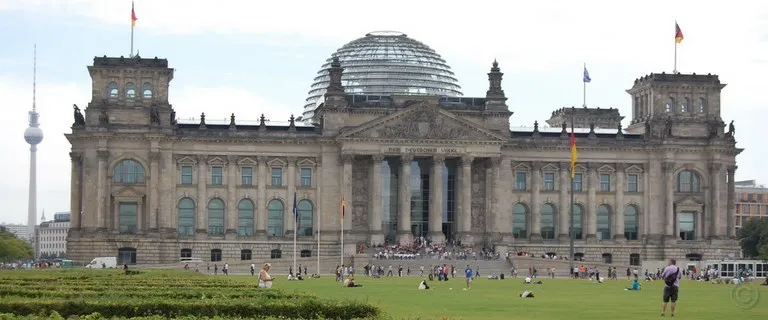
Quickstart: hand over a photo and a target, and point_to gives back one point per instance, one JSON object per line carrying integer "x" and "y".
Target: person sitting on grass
{"x": 526, "y": 294}
{"x": 635, "y": 286}
{"x": 349, "y": 282}
{"x": 423, "y": 285}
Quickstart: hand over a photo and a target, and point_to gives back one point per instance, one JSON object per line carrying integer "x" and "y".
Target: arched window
{"x": 112, "y": 90}
{"x": 186, "y": 217}
{"x": 603, "y": 222}
{"x": 245, "y": 217}
{"x": 130, "y": 90}
{"x": 702, "y": 107}
{"x": 685, "y": 106}
{"x": 275, "y": 218}
{"x": 146, "y": 91}
{"x": 520, "y": 221}
{"x": 305, "y": 218}
{"x": 216, "y": 217}
{"x": 670, "y": 105}
{"x": 578, "y": 222}
{"x": 128, "y": 171}
{"x": 630, "y": 222}
{"x": 548, "y": 218}
{"x": 688, "y": 181}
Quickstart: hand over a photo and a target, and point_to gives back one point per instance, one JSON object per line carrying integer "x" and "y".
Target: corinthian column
{"x": 565, "y": 203}
{"x": 261, "y": 198}
{"x": 201, "y": 216}
{"x": 377, "y": 237}
{"x": 404, "y": 235}
{"x": 436, "y": 200}
{"x": 535, "y": 205}
{"x": 290, "y": 221}
{"x": 154, "y": 183}
{"x": 730, "y": 232}
{"x": 669, "y": 198}
{"x": 101, "y": 211}
{"x": 75, "y": 196}
{"x": 591, "y": 221}
{"x": 346, "y": 190}
{"x": 712, "y": 210}
{"x": 231, "y": 218}
{"x": 618, "y": 211}
{"x": 465, "y": 201}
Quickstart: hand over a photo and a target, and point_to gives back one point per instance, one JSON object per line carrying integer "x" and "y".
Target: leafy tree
{"x": 754, "y": 238}
{"x": 12, "y": 248}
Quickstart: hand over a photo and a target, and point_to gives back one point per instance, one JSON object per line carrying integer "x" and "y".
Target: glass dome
{"x": 386, "y": 63}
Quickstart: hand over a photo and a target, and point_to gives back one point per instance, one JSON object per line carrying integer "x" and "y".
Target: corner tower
{"x": 682, "y": 105}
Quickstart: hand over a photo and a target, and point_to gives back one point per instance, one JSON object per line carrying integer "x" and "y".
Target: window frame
{"x": 217, "y": 175}
{"x": 246, "y": 179}
{"x": 305, "y": 181}
{"x": 604, "y": 179}
{"x": 636, "y": 182}
{"x": 521, "y": 185}
{"x": 276, "y": 180}
{"x": 183, "y": 174}
{"x": 548, "y": 185}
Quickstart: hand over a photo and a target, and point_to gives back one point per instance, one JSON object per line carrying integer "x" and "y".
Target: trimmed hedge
{"x": 159, "y": 295}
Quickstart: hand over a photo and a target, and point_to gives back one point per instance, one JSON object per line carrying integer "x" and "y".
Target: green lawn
{"x": 555, "y": 299}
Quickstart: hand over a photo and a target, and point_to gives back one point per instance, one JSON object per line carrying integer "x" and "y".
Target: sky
{"x": 254, "y": 57}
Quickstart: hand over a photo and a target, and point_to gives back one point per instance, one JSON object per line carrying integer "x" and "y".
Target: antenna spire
{"x": 34, "y": 80}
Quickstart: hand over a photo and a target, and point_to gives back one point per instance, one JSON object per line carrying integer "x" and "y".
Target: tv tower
{"x": 33, "y": 135}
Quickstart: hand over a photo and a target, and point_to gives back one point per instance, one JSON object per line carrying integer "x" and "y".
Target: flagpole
{"x": 133, "y": 24}
{"x": 584, "y": 92}
{"x": 674, "y": 70}
{"x": 342, "y": 228}
{"x": 570, "y": 227}
{"x": 295, "y": 230}
{"x": 318, "y": 239}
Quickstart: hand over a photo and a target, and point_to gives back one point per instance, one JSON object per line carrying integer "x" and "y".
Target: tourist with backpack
{"x": 671, "y": 276}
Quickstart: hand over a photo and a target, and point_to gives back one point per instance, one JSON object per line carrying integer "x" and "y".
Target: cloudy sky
{"x": 253, "y": 57}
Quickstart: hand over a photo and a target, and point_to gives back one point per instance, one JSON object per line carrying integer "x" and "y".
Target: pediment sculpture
{"x": 428, "y": 123}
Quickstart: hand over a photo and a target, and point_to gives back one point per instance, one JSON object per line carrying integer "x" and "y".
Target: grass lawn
{"x": 555, "y": 299}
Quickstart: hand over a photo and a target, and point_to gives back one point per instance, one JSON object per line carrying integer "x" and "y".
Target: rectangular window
{"x": 128, "y": 218}
{"x": 632, "y": 183}
{"x": 686, "y": 225}
{"x": 186, "y": 174}
{"x": 216, "y": 255}
{"x": 520, "y": 181}
{"x": 246, "y": 176}
{"x": 578, "y": 182}
{"x": 217, "y": 175}
{"x": 306, "y": 177}
{"x": 245, "y": 254}
{"x": 549, "y": 181}
{"x": 605, "y": 182}
{"x": 277, "y": 177}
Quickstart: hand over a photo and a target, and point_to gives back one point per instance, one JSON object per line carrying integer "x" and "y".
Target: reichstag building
{"x": 391, "y": 133}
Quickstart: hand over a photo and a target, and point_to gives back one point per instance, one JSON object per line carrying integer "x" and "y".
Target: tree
{"x": 754, "y": 238}
{"x": 13, "y": 248}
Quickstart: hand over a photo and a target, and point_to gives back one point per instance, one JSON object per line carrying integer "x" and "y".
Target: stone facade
{"x": 586, "y": 118}
{"x": 151, "y": 190}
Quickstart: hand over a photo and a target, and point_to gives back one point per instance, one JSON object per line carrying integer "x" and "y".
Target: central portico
{"x": 410, "y": 174}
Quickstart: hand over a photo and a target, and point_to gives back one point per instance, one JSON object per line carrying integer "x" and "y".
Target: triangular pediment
{"x": 634, "y": 169}
{"x": 521, "y": 166}
{"x": 306, "y": 163}
{"x": 182, "y": 159}
{"x": 605, "y": 168}
{"x": 422, "y": 122}
{"x": 689, "y": 202}
{"x": 276, "y": 162}
{"x": 217, "y": 161}
{"x": 580, "y": 168}
{"x": 550, "y": 167}
{"x": 247, "y": 161}
{"x": 127, "y": 192}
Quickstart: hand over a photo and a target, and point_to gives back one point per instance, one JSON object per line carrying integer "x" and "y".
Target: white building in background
{"x": 51, "y": 236}
{"x": 20, "y": 230}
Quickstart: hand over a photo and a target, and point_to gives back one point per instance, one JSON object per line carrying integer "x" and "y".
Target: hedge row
{"x": 106, "y": 293}
{"x": 129, "y": 308}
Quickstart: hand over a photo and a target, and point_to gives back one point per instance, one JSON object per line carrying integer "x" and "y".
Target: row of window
{"x": 60, "y": 245}
{"x": 685, "y": 106}
{"x": 187, "y": 210}
{"x": 113, "y": 90}
{"x": 687, "y": 181}
{"x": 246, "y": 176}
{"x": 548, "y": 221}
{"x": 245, "y": 254}
{"x": 130, "y": 171}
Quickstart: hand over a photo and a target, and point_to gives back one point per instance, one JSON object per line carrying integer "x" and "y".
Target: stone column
{"x": 168, "y": 211}
{"x": 346, "y": 190}
{"x": 498, "y": 199}
{"x": 436, "y": 200}
{"x": 201, "y": 216}
{"x": 465, "y": 201}
{"x": 75, "y": 198}
{"x": 288, "y": 218}
{"x": 590, "y": 223}
{"x": 376, "y": 235}
{"x": 504, "y": 193}
{"x": 261, "y": 197}
{"x": 318, "y": 184}
{"x": 154, "y": 182}
{"x": 669, "y": 199}
{"x": 712, "y": 210}
{"x": 101, "y": 184}
{"x": 535, "y": 232}
{"x": 618, "y": 215}
{"x": 564, "y": 222}
{"x": 230, "y": 219}
{"x": 730, "y": 232}
{"x": 404, "y": 235}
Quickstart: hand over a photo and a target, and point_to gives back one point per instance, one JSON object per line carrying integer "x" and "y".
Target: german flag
{"x": 574, "y": 154}
{"x": 133, "y": 16}
{"x": 678, "y": 33}
{"x": 343, "y": 208}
